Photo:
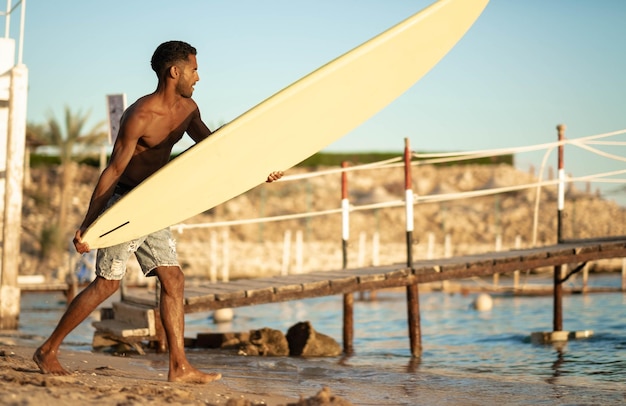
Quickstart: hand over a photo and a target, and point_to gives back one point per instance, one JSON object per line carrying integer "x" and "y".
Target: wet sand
{"x": 104, "y": 379}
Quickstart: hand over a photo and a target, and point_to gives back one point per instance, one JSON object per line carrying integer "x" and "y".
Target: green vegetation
{"x": 335, "y": 159}
{"x": 40, "y": 160}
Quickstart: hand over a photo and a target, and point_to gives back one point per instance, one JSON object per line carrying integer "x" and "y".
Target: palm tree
{"x": 73, "y": 143}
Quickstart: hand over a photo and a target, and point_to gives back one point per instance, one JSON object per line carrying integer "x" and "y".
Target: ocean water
{"x": 469, "y": 357}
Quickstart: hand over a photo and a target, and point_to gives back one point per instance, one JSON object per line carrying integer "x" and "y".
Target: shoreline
{"x": 480, "y": 372}
{"x": 104, "y": 379}
{"x": 112, "y": 380}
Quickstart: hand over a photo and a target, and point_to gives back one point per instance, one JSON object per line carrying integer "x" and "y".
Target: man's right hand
{"x": 81, "y": 247}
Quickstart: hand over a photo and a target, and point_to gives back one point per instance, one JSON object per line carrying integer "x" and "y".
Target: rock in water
{"x": 266, "y": 341}
{"x": 306, "y": 342}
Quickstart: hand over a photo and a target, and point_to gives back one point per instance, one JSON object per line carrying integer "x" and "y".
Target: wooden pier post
{"x": 348, "y": 298}
{"x": 412, "y": 291}
{"x": 558, "y": 285}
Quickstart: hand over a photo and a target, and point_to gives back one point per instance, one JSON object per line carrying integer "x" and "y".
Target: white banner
{"x": 116, "y": 104}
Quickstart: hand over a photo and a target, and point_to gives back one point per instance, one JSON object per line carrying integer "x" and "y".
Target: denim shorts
{"x": 152, "y": 251}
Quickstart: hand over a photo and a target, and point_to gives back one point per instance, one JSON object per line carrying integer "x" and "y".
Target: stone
{"x": 306, "y": 342}
{"x": 323, "y": 397}
{"x": 267, "y": 342}
{"x": 221, "y": 340}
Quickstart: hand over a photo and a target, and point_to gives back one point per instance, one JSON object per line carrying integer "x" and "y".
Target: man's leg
{"x": 173, "y": 318}
{"x": 78, "y": 310}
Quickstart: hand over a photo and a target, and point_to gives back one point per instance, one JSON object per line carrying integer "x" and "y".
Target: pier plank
{"x": 375, "y": 277}
{"x": 562, "y": 251}
{"x": 246, "y": 292}
{"x": 399, "y": 273}
{"x": 341, "y": 280}
{"x": 193, "y": 297}
{"x": 253, "y": 287}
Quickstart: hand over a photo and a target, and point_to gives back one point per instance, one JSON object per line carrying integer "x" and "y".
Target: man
{"x": 148, "y": 130}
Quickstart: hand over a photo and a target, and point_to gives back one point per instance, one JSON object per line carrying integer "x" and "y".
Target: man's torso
{"x": 164, "y": 129}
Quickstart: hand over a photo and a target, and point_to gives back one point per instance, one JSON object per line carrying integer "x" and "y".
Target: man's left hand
{"x": 274, "y": 176}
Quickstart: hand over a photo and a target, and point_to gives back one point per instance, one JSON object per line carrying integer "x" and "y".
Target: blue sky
{"x": 523, "y": 68}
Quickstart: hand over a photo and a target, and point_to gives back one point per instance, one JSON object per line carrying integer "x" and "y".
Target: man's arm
{"x": 197, "y": 130}
{"x": 130, "y": 131}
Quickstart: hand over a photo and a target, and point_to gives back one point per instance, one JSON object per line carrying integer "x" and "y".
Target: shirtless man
{"x": 149, "y": 129}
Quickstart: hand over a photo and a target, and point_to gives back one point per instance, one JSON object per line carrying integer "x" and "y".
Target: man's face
{"x": 188, "y": 76}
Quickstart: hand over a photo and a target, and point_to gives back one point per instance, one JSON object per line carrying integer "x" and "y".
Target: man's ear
{"x": 173, "y": 71}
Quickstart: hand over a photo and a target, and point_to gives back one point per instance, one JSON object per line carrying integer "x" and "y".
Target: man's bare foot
{"x": 190, "y": 374}
{"x": 48, "y": 363}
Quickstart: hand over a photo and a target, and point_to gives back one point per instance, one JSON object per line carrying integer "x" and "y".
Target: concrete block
{"x": 548, "y": 337}
{"x": 136, "y": 316}
{"x": 121, "y": 329}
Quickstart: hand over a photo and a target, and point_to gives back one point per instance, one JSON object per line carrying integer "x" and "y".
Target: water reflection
{"x": 557, "y": 372}
{"x": 556, "y": 365}
{"x": 413, "y": 365}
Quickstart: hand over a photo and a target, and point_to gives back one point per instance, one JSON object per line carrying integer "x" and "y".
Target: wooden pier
{"x": 249, "y": 292}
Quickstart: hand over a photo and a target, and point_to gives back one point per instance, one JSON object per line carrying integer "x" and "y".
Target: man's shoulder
{"x": 153, "y": 103}
{"x": 137, "y": 116}
{"x": 147, "y": 102}
{"x": 144, "y": 107}
{"x": 190, "y": 104}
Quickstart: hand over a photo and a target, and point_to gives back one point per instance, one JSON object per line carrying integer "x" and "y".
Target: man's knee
{"x": 171, "y": 277}
{"x": 106, "y": 286}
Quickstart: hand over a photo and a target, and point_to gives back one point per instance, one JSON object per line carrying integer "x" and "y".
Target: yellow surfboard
{"x": 290, "y": 126}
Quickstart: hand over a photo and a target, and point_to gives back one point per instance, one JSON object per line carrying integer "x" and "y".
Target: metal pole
{"x": 558, "y": 286}
{"x": 408, "y": 203}
{"x": 348, "y": 298}
{"x": 412, "y": 291}
{"x": 7, "y": 20}
{"x": 20, "y": 51}
{"x": 345, "y": 215}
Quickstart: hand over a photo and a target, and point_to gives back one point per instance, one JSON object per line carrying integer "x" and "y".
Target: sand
{"x": 103, "y": 379}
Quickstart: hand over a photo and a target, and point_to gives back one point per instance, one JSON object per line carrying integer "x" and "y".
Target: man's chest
{"x": 163, "y": 133}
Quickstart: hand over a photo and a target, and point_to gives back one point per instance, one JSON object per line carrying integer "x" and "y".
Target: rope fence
{"x": 423, "y": 159}
{"x": 442, "y": 197}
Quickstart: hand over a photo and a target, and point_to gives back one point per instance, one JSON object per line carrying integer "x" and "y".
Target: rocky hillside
{"x": 468, "y": 225}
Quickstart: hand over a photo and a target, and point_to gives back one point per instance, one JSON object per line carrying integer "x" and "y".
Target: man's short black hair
{"x": 168, "y": 53}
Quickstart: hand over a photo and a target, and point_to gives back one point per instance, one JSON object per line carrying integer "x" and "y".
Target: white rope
{"x": 611, "y": 143}
{"x": 372, "y": 165}
{"x": 396, "y": 203}
{"x": 181, "y": 227}
{"x": 598, "y": 176}
{"x": 610, "y": 181}
{"x": 445, "y": 157}
{"x": 538, "y": 196}
{"x": 601, "y": 153}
